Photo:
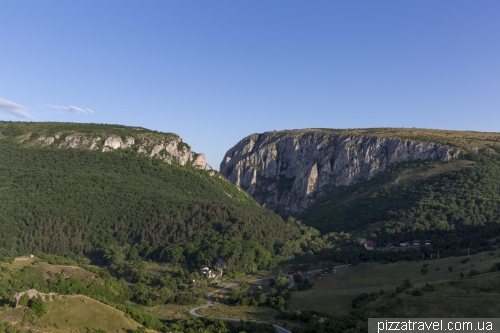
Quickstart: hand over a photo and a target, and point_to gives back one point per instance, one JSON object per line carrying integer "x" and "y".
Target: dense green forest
{"x": 417, "y": 199}
{"x": 122, "y": 206}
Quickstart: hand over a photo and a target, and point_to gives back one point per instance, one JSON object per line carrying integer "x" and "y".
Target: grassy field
{"x": 333, "y": 294}
{"x": 74, "y": 314}
{"x": 464, "y": 298}
{"x": 468, "y": 139}
{"x": 166, "y": 311}
{"x": 263, "y": 313}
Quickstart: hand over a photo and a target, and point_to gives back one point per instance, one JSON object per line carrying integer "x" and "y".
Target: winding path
{"x": 279, "y": 329}
{"x": 195, "y": 312}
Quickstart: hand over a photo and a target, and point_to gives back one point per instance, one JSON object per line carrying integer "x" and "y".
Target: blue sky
{"x": 216, "y": 71}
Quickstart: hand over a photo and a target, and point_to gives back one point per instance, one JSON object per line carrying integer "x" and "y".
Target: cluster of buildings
{"x": 216, "y": 273}
{"x": 371, "y": 245}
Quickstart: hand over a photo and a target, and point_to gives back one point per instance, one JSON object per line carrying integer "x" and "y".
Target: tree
{"x": 298, "y": 278}
{"x": 38, "y": 306}
{"x": 24, "y": 300}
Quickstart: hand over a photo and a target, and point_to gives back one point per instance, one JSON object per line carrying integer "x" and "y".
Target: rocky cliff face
{"x": 285, "y": 171}
{"x": 168, "y": 149}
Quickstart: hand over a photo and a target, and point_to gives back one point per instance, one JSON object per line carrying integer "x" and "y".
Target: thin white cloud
{"x": 15, "y": 110}
{"x": 72, "y": 109}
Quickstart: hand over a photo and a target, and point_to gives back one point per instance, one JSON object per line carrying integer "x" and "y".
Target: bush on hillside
{"x": 474, "y": 272}
{"x": 495, "y": 267}
{"x": 24, "y": 300}
{"x": 38, "y": 306}
{"x": 404, "y": 286}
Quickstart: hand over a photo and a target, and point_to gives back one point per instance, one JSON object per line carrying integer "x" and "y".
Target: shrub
{"x": 424, "y": 270}
{"x": 428, "y": 287}
{"x": 298, "y": 278}
{"x": 38, "y": 306}
{"x": 417, "y": 292}
{"x": 24, "y": 300}
{"x": 185, "y": 299}
{"x": 450, "y": 268}
{"x": 363, "y": 299}
{"x": 404, "y": 286}
{"x": 495, "y": 267}
{"x": 474, "y": 272}
{"x": 391, "y": 294}
{"x": 306, "y": 285}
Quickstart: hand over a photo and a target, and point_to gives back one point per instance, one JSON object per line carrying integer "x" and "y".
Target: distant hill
{"x": 85, "y": 188}
{"x": 372, "y": 180}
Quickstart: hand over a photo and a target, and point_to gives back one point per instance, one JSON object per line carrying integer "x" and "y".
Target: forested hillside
{"x": 424, "y": 198}
{"x": 120, "y": 205}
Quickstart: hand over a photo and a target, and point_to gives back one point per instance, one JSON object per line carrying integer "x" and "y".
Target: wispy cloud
{"x": 72, "y": 109}
{"x": 12, "y": 109}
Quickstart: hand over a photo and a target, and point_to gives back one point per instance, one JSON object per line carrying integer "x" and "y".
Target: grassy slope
{"x": 71, "y": 313}
{"x": 66, "y": 313}
{"x": 263, "y": 313}
{"x": 74, "y": 314}
{"x": 468, "y": 298}
{"x": 333, "y": 294}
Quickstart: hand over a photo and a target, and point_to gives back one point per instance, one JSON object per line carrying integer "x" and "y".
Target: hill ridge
{"x": 167, "y": 147}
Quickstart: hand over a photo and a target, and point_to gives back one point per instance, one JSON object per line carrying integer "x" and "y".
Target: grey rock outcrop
{"x": 200, "y": 162}
{"x": 33, "y": 293}
{"x": 46, "y": 141}
{"x": 167, "y": 149}
{"x": 285, "y": 171}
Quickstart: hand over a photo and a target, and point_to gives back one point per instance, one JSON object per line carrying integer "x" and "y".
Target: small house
{"x": 404, "y": 244}
{"x": 416, "y": 243}
{"x": 427, "y": 242}
{"x": 206, "y": 271}
{"x": 370, "y": 245}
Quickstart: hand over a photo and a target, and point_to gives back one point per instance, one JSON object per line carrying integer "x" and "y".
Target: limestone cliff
{"x": 285, "y": 171}
{"x": 169, "y": 148}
